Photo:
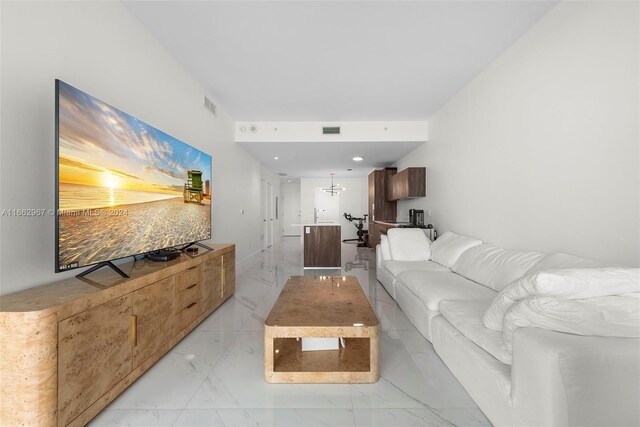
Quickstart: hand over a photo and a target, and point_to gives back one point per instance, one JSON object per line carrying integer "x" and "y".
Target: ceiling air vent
{"x": 282, "y": 174}
{"x": 331, "y": 130}
{"x": 209, "y": 105}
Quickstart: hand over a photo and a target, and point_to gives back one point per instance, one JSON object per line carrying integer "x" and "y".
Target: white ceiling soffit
{"x": 319, "y": 159}
{"x": 349, "y": 60}
{"x": 302, "y": 150}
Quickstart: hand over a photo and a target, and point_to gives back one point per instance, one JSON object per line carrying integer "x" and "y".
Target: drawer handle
{"x": 192, "y": 286}
{"x": 191, "y": 305}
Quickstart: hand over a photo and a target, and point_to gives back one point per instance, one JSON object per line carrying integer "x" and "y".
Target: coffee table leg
{"x": 268, "y": 354}
{"x": 374, "y": 349}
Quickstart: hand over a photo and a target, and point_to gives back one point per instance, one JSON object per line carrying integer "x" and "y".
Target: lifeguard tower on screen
{"x": 193, "y": 188}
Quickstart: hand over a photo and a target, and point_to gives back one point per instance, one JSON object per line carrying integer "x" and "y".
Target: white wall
{"x": 541, "y": 150}
{"x": 353, "y": 200}
{"x": 102, "y": 49}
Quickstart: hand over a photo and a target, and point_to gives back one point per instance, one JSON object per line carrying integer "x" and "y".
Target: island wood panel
{"x": 151, "y": 307}
{"x": 31, "y": 359}
{"x": 322, "y": 246}
{"x": 94, "y": 354}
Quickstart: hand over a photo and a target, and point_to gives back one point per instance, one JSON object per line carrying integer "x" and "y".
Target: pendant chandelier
{"x": 334, "y": 188}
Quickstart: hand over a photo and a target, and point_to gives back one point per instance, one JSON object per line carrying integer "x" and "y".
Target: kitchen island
{"x": 322, "y": 245}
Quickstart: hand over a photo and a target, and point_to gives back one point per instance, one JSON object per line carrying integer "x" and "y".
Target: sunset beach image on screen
{"x": 124, "y": 187}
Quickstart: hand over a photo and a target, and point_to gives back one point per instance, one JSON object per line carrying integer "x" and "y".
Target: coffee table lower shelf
{"x": 285, "y": 362}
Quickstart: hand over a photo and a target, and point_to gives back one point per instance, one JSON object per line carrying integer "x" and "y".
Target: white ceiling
{"x": 319, "y": 159}
{"x": 335, "y": 61}
{"x": 324, "y": 60}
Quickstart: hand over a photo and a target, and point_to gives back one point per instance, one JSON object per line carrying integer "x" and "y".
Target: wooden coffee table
{"x": 322, "y": 307}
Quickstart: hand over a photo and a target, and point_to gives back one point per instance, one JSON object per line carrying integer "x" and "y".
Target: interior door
{"x": 291, "y": 215}
{"x": 270, "y": 215}
{"x": 263, "y": 213}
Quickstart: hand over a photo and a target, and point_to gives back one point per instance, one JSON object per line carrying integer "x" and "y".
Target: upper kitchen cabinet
{"x": 407, "y": 184}
{"x": 379, "y": 207}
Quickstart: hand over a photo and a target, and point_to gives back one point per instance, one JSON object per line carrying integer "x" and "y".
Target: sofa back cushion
{"x": 446, "y": 249}
{"x": 409, "y": 244}
{"x": 560, "y": 260}
{"x": 493, "y": 266}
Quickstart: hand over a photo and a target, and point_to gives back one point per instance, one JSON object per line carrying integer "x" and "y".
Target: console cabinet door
{"x": 212, "y": 283}
{"x": 94, "y": 354}
{"x": 153, "y": 311}
{"x": 229, "y": 268}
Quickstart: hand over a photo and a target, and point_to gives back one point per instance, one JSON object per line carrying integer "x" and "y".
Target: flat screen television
{"x": 123, "y": 187}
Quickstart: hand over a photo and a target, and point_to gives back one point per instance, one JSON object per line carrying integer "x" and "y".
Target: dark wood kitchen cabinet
{"x": 379, "y": 207}
{"x": 407, "y": 184}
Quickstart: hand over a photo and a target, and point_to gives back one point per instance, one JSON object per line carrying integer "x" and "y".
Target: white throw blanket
{"x": 601, "y": 302}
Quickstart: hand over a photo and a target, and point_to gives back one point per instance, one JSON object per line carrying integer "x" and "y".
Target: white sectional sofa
{"x": 549, "y": 378}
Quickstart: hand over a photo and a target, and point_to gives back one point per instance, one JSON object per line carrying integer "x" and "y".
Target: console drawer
{"x": 192, "y": 293}
{"x": 188, "y": 277}
{"x": 189, "y": 314}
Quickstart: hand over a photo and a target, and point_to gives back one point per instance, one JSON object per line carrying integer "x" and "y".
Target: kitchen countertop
{"x": 391, "y": 223}
{"x": 321, "y": 224}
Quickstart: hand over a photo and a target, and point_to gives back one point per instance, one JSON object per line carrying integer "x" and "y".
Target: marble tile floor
{"x": 214, "y": 376}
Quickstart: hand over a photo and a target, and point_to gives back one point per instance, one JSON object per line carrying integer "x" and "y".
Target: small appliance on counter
{"x": 431, "y": 232}
{"x": 416, "y": 217}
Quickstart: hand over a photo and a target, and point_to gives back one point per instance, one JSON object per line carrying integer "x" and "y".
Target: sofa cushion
{"x": 409, "y": 244}
{"x": 560, "y": 260}
{"x": 466, "y": 317}
{"x": 447, "y": 248}
{"x": 493, "y": 266}
{"x": 397, "y": 267}
{"x": 384, "y": 247}
{"x": 434, "y": 286}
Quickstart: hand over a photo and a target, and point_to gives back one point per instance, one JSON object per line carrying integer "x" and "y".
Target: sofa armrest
{"x": 378, "y": 258}
{"x": 565, "y": 379}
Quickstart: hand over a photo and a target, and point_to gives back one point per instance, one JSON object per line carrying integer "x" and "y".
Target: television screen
{"x": 123, "y": 187}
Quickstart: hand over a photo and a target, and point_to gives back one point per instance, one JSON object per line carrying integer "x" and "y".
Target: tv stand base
{"x": 104, "y": 264}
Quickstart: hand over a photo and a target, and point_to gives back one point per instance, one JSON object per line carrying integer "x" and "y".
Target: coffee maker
{"x": 416, "y": 217}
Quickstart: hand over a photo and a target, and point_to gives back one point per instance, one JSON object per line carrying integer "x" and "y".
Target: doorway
{"x": 327, "y": 207}
{"x": 266, "y": 213}
{"x": 291, "y": 214}
{"x": 270, "y": 216}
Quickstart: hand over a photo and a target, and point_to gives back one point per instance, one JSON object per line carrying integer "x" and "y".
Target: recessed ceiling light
{"x": 358, "y": 159}
{"x": 275, "y": 158}
{"x": 288, "y": 180}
